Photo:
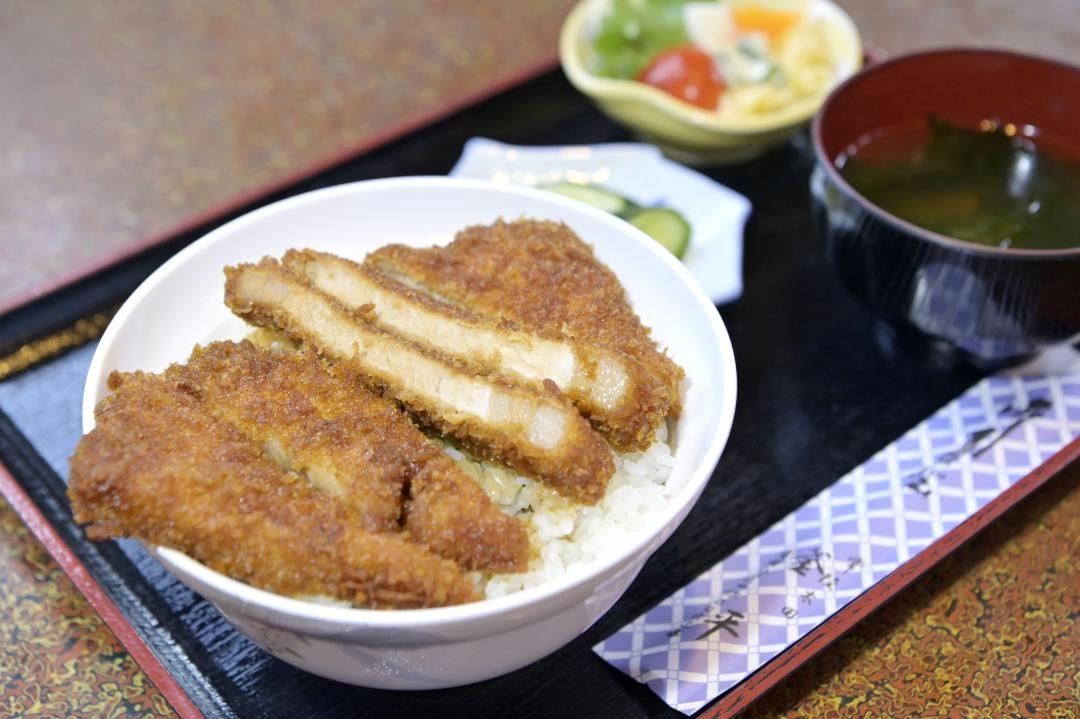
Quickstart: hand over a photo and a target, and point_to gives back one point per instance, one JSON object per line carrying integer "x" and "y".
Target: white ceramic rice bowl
{"x": 181, "y": 304}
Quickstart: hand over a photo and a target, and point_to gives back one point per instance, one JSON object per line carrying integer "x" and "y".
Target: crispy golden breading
{"x": 612, "y": 390}
{"x": 355, "y": 444}
{"x": 271, "y": 398}
{"x": 537, "y": 432}
{"x": 161, "y": 468}
{"x": 541, "y": 276}
{"x": 453, "y": 516}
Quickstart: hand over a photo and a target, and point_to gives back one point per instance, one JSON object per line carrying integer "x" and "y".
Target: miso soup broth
{"x": 998, "y": 185}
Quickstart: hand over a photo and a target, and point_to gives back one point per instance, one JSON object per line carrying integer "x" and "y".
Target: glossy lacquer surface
{"x": 990, "y": 306}
{"x": 820, "y": 390}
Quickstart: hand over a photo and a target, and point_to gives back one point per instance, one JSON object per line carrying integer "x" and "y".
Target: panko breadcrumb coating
{"x": 541, "y": 276}
{"x": 536, "y": 431}
{"x": 612, "y": 390}
{"x": 159, "y": 467}
{"x": 322, "y": 422}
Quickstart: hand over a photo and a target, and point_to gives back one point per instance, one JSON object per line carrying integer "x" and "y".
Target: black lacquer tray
{"x": 822, "y": 386}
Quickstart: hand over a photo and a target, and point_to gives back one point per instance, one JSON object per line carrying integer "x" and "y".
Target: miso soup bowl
{"x": 993, "y": 306}
{"x": 181, "y": 304}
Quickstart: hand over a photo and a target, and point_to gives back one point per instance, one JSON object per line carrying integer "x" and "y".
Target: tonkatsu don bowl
{"x": 505, "y": 620}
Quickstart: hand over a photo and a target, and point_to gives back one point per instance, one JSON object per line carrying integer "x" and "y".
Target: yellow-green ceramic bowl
{"x": 685, "y": 132}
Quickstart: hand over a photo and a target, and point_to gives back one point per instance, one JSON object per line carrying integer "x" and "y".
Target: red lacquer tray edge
{"x": 337, "y": 157}
{"x": 735, "y": 701}
{"x": 96, "y": 596}
{"x": 819, "y": 638}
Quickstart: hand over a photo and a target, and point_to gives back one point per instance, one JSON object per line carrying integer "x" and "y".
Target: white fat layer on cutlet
{"x": 511, "y": 351}
{"x": 460, "y": 397}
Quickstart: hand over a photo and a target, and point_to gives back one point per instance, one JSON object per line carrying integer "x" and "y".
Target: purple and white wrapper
{"x": 712, "y": 633}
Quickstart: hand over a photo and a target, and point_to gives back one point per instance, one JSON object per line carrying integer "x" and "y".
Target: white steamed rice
{"x": 567, "y": 536}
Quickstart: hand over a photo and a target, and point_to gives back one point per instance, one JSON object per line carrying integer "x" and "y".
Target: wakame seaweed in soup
{"x": 995, "y": 185}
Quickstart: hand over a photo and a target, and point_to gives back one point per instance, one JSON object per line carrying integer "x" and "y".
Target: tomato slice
{"x": 688, "y": 73}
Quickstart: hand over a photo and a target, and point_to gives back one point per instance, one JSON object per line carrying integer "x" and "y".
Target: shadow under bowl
{"x": 994, "y": 306}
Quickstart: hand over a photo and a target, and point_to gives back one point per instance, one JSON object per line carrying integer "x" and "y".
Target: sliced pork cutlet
{"x": 541, "y": 276}
{"x": 536, "y": 432}
{"x": 613, "y": 391}
{"x": 270, "y": 398}
{"x": 453, "y": 516}
{"x": 159, "y": 467}
{"x": 357, "y": 445}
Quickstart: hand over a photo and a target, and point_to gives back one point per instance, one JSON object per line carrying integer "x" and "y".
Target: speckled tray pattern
{"x": 135, "y": 120}
{"x": 987, "y": 633}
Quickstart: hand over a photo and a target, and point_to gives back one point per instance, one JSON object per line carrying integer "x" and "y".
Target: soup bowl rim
{"x": 828, "y": 165}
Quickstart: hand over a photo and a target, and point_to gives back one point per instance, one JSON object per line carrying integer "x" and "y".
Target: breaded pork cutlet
{"x": 161, "y": 468}
{"x": 539, "y": 275}
{"x": 320, "y": 421}
{"x": 612, "y": 390}
{"x": 536, "y": 432}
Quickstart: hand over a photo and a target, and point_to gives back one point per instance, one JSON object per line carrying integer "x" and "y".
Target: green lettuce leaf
{"x": 634, "y": 32}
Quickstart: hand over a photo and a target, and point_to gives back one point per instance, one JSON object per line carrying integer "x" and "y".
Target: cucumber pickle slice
{"x": 591, "y": 195}
{"x": 666, "y": 227}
